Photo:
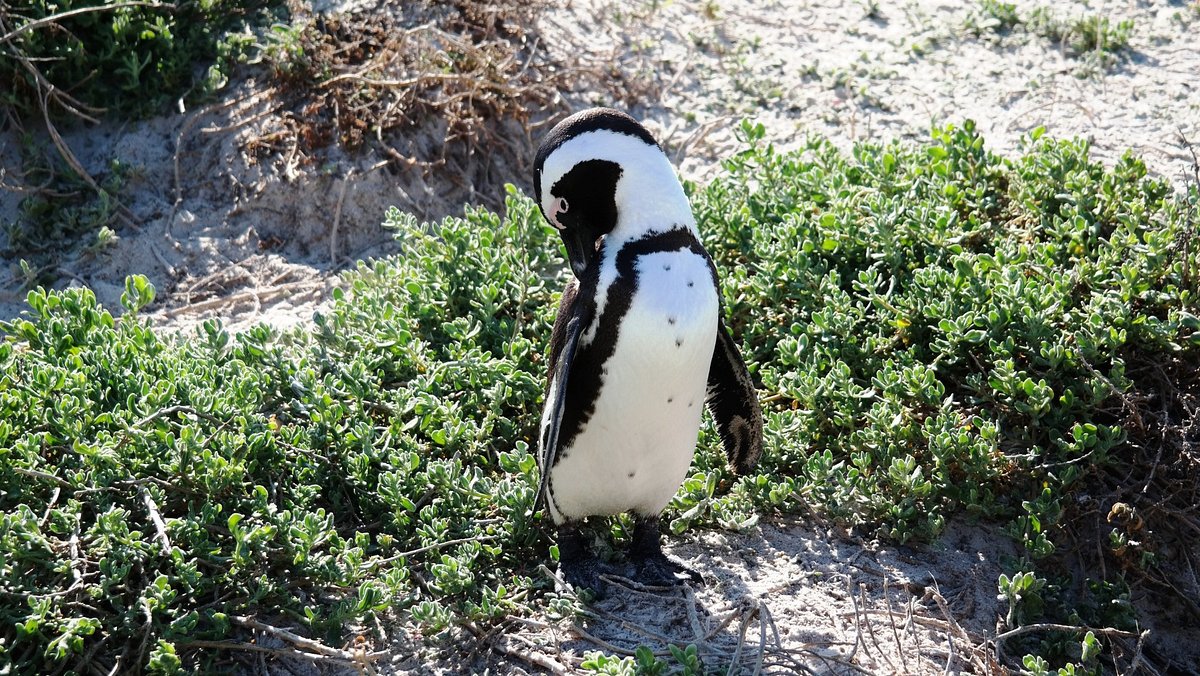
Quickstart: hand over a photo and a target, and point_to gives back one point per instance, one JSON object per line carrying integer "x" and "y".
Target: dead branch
{"x": 438, "y": 545}
{"x": 535, "y": 659}
{"x": 278, "y": 652}
{"x": 306, "y": 643}
{"x": 292, "y": 287}
{"x": 999, "y": 639}
{"x": 63, "y": 149}
{"x": 159, "y": 525}
{"x": 955, "y": 630}
{"x": 892, "y": 621}
{"x": 862, "y": 597}
{"x": 337, "y": 217}
{"x": 42, "y": 475}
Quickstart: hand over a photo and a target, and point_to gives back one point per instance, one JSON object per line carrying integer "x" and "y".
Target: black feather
{"x": 573, "y": 314}
{"x": 733, "y": 402}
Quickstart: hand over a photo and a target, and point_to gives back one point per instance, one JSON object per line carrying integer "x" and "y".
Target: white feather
{"x": 635, "y": 449}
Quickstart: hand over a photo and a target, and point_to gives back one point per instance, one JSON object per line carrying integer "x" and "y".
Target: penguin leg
{"x": 653, "y": 566}
{"x": 577, "y": 565}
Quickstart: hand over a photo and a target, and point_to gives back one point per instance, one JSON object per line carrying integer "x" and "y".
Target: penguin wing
{"x": 563, "y": 341}
{"x": 733, "y": 402}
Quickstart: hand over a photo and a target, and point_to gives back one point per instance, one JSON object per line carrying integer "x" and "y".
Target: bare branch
{"x": 42, "y": 475}
{"x": 159, "y": 525}
{"x": 306, "y": 643}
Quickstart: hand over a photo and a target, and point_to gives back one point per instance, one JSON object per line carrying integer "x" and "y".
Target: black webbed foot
{"x": 653, "y": 566}
{"x": 661, "y": 570}
{"x": 577, "y": 566}
{"x": 582, "y": 574}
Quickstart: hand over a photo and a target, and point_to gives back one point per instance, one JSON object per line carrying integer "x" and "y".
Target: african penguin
{"x": 638, "y": 347}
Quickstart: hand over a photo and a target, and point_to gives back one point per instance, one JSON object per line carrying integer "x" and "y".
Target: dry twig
{"x": 535, "y": 659}
{"x": 307, "y": 644}
{"x": 278, "y": 652}
{"x": 337, "y": 217}
{"x": 156, "y": 517}
{"x": 234, "y": 299}
{"x": 37, "y": 474}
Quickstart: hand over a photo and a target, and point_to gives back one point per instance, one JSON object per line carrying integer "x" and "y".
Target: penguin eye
{"x": 562, "y": 205}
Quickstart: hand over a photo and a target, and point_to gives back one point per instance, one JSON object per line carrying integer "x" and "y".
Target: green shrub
{"x": 292, "y": 475}
{"x": 941, "y": 329}
{"x": 1097, "y": 40}
{"x": 1084, "y": 34}
{"x": 993, "y": 16}
{"x": 130, "y": 60}
{"x": 79, "y": 59}
{"x": 937, "y": 331}
{"x": 944, "y": 331}
{"x": 67, "y": 216}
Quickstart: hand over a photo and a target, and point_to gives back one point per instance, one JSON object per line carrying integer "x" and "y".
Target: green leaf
{"x": 139, "y": 293}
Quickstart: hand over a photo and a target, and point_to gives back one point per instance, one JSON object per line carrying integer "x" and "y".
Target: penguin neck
{"x": 650, "y": 200}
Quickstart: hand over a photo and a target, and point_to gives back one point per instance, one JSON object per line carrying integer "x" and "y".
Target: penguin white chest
{"x": 635, "y": 449}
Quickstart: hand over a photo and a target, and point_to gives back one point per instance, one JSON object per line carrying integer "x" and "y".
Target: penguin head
{"x": 600, "y": 174}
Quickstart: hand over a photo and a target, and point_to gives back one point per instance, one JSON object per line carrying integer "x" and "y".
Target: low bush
{"x": 82, "y": 60}
{"x": 937, "y": 332}
{"x": 130, "y": 59}
{"x": 942, "y": 326}
{"x": 942, "y": 331}
{"x": 153, "y": 489}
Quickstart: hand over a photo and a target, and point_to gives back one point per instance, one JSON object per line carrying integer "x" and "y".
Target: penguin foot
{"x": 578, "y": 568}
{"x": 660, "y": 569}
{"x": 582, "y": 574}
{"x": 653, "y": 566}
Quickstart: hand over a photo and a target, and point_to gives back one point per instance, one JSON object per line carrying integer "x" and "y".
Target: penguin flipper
{"x": 563, "y": 341}
{"x": 733, "y": 402}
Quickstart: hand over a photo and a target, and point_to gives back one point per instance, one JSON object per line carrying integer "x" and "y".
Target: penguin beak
{"x": 580, "y": 250}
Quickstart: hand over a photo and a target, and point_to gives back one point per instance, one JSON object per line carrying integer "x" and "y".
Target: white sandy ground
{"x": 222, "y": 235}
{"x": 793, "y": 597}
{"x": 826, "y": 67}
{"x": 790, "y": 597}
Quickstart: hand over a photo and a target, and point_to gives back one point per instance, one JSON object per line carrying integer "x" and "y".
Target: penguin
{"x": 639, "y": 346}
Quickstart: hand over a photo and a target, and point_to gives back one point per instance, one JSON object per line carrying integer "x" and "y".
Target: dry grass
{"x": 457, "y": 87}
{"x": 891, "y": 633}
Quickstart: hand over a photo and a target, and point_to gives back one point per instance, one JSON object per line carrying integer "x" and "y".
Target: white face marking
{"x": 648, "y": 197}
